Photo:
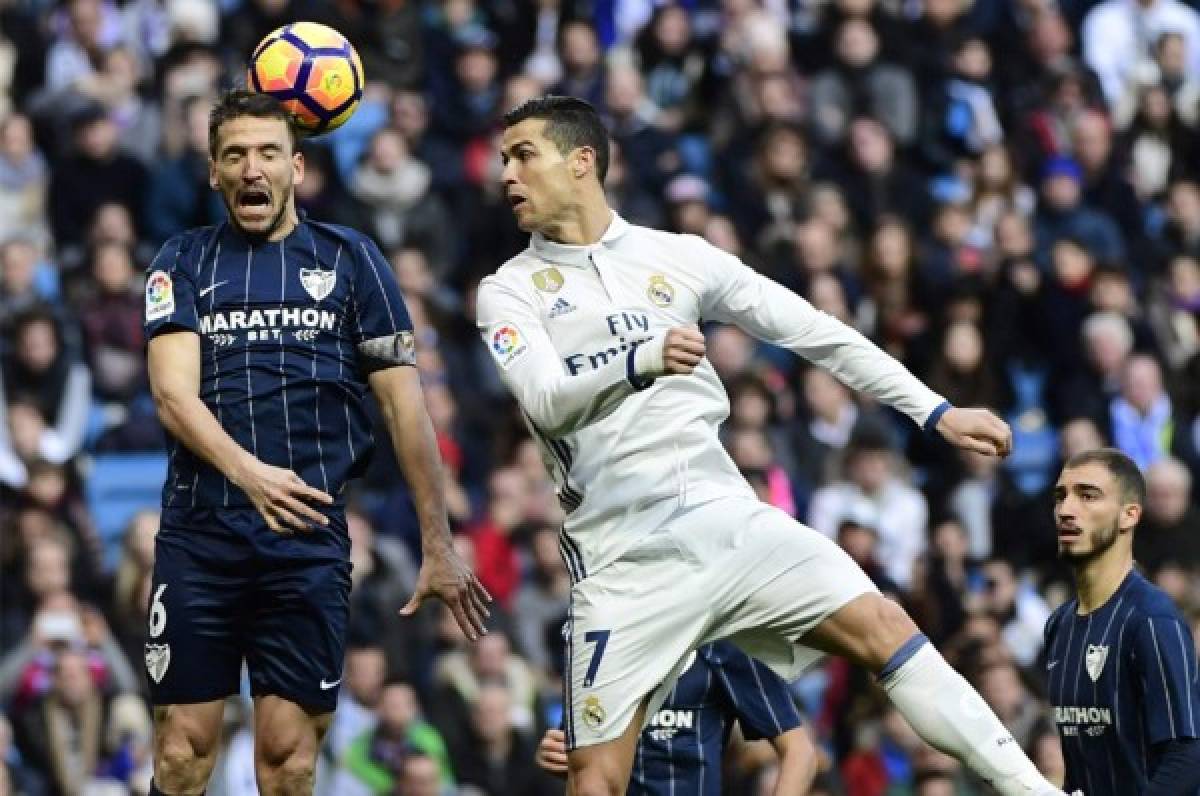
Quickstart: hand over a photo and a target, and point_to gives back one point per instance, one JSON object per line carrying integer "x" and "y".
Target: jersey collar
{"x": 576, "y": 255}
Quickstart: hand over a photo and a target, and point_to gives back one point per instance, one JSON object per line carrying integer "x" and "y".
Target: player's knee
{"x": 285, "y": 765}
{"x": 595, "y": 783}
{"x": 595, "y": 779}
{"x": 891, "y": 627}
{"x": 182, "y": 766}
{"x": 293, "y": 774}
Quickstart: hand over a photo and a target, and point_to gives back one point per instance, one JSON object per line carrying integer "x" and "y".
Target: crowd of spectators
{"x": 1003, "y": 194}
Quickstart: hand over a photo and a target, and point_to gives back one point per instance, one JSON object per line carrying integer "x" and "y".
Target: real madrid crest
{"x": 593, "y": 712}
{"x": 548, "y": 280}
{"x": 660, "y": 291}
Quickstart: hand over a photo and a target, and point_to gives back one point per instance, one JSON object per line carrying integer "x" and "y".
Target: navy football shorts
{"x": 227, "y": 588}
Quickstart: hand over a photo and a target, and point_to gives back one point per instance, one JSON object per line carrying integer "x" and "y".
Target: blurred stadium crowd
{"x": 1004, "y": 194}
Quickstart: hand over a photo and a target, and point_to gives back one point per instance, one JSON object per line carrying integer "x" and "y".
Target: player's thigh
{"x": 192, "y": 650}
{"x": 184, "y": 733}
{"x": 296, "y": 632}
{"x": 284, "y": 730}
{"x": 779, "y": 581}
{"x": 631, "y": 631}
{"x": 606, "y": 767}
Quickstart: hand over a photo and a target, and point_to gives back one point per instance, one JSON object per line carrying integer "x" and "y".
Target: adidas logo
{"x": 561, "y": 307}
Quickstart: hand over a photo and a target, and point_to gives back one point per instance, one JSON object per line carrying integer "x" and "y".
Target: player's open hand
{"x": 552, "y": 753}
{"x": 683, "y": 348}
{"x": 280, "y": 497}
{"x": 976, "y": 430}
{"x": 446, "y": 576}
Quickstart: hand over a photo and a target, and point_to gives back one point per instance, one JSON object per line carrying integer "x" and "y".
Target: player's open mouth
{"x": 516, "y": 201}
{"x": 254, "y": 199}
{"x": 1068, "y": 534}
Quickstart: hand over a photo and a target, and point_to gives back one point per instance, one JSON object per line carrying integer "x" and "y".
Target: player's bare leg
{"x": 937, "y": 701}
{"x": 604, "y": 768}
{"x": 287, "y": 739}
{"x": 186, "y": 738}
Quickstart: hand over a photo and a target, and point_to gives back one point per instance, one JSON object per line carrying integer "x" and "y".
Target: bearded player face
{"x": 256, "y": 170}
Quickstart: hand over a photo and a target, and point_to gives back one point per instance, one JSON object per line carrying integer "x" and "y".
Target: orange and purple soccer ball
{"x": 313, "y": 70}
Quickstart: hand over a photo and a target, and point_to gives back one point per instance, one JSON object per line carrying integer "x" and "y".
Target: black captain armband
{"x": 387, "y": 351}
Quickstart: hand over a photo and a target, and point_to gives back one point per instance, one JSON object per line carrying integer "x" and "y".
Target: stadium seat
{"x": 118, "y": 486}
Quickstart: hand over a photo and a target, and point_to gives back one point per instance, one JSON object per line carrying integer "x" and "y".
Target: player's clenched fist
{"x": 552, "y": 753}
{"x": 683, "y": 348}
{"x": 279, "y": 495}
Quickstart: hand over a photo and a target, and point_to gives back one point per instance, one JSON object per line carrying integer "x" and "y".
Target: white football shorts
{"x": 731, "y": 568}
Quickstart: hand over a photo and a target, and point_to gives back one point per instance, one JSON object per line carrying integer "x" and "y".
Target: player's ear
{"x": 1131, "y": 513}
{"x": 583, "y": 160}
{"x": 213, "y": 182}
{"x": 297, "y": 167}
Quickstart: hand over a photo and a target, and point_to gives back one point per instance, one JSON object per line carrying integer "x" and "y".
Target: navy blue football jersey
{"x": 1122, "y": 679}
{"x": 289, "y": 332}
{"x": 680, "y": 752}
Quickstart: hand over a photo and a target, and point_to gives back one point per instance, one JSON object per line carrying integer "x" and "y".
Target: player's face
{"x": 1090, "y": 512}
{"x": 537, "y": 177}
{"x": 256, "y": 171}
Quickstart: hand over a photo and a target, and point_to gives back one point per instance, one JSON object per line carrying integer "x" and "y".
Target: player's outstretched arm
{"x": 735, "y": 293}
{"x": 279, "y": 494}
{"x": 443, "y": 574}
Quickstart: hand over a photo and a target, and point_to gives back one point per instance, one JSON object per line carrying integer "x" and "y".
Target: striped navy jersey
{"x": 1122, "y": 680}
{"x": 289, "y": 331}
{"x": 681, "y": 749}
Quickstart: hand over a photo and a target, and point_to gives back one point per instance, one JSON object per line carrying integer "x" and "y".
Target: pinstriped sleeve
{"x": 170, "y": 290}
{"x": 382, "y": 329}
{"x": 1165, "y": 659}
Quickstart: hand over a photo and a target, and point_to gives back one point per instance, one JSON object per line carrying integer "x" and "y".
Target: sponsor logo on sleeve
{"x": 160, "y": 296}
{"x": 507, "y": 343}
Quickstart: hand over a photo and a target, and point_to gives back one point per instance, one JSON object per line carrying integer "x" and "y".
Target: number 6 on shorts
{"x": 600, "y": 639}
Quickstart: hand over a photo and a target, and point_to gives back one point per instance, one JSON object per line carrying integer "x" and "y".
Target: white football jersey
{"x": 577, "y": 332}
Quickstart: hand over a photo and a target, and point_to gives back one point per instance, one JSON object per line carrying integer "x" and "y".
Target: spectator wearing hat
{"x": 1062, "y": 214}
{"x": 687, "y": 204}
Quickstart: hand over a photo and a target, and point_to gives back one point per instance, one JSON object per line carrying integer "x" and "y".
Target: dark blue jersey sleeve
{"x": 758, "y": 697}
{"x": 170, "y": 290}
{"x": 1165, "y": 659}
{"x": 383, "y": 331}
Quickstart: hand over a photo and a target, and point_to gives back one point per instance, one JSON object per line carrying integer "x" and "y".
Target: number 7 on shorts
{"x": 600, "y": 639}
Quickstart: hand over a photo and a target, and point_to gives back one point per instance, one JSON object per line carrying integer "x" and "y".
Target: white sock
{"x": 944, "y": 710}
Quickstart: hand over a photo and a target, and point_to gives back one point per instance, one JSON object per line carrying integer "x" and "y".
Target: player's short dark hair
{"x": 570, "y": 123}
{"x": 241, "y": 102}
{"x": 1123, "y": 469}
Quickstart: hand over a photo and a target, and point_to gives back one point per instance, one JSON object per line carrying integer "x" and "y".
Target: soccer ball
{"x": 313, "y": 70}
